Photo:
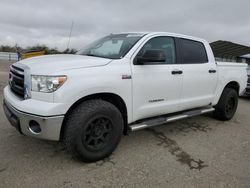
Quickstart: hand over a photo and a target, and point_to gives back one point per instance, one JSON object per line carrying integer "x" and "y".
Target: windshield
{"x": 114, "y": 46}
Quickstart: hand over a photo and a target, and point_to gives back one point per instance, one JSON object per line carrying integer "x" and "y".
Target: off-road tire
{"x": 83, "y": 125}
{"x": 227, "y": 105}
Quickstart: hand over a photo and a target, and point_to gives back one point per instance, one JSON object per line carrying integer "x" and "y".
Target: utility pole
{"x": 71, "y": 28}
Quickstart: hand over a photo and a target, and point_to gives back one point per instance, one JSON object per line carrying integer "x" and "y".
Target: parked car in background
{"x": 120, "y": 83}
{"x": 247, "y": 93}
{"x": 31, "y": 53}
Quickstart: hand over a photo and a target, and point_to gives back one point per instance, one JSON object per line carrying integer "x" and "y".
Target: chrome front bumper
{"x": 50, "y": 126}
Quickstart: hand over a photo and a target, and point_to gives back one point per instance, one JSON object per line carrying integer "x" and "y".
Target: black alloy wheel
{"x": 97, "y": 133}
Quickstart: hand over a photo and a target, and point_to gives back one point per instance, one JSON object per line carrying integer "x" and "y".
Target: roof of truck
{"x": 151, "y": 33}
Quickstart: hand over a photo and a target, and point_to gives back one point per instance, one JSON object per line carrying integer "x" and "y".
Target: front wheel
{"x": 227, "y": 105}
{"x": 93, "y": 130}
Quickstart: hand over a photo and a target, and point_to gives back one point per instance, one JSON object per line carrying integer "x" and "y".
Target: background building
{"x": 231, "y": 52}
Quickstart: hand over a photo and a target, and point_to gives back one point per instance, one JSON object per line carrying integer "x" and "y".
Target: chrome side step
{"x": 166, "y": 119}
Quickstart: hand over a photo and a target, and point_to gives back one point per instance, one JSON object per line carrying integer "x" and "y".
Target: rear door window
{"x": 193, "y": 52}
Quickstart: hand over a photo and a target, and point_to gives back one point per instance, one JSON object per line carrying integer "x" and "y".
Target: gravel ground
{"x": 196, "y": 152}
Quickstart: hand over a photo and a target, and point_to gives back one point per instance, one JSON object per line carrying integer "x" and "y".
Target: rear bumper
{"x": 47, "y": 123}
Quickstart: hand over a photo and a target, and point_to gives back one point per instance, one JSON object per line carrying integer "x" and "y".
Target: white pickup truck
{"x": 120, "y": 83}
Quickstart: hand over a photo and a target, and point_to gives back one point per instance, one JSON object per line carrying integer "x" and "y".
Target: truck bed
{"x": 229, "y": 71}
{"x": 231, "y": 64}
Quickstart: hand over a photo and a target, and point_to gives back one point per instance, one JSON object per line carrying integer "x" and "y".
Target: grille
{"x": 16, "y": 81}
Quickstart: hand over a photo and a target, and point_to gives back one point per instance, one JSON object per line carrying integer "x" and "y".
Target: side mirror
{"x": 151, "y": 56}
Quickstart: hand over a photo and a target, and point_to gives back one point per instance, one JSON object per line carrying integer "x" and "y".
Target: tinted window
{"x": 193, "y": 52}
{"x": 161, "y": 43}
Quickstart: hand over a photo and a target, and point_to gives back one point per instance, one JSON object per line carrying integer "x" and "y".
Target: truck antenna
{"x": 71, "y": 28}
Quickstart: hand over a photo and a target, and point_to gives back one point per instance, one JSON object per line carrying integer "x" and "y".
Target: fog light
{"x": 34, "y": 127}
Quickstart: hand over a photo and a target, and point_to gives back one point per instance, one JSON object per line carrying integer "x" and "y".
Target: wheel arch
{"x": 233, "y": 85}
{"x": 230, "y": 84}
{"x": 114, "y": 99}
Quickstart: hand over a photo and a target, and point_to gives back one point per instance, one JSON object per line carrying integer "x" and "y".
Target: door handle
{"x": 212, "y": 71}
{"x": 176, "y": 72}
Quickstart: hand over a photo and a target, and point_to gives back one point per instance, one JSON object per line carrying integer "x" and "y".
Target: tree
{"x": 16, "y": 48}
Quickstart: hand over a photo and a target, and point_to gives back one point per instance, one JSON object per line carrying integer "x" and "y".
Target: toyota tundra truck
{"x": 118, "y": 84}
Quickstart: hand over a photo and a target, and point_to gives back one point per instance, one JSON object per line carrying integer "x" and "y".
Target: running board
{"x": 166, "y": 119}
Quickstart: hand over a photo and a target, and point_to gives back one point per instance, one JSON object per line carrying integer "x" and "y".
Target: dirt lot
{"x": 197, "y": 152}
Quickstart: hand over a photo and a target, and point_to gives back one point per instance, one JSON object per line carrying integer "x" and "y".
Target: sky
{"x": 32, "y": 22}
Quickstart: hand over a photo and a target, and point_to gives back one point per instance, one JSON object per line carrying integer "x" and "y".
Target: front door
{"x": 156, "y": 86}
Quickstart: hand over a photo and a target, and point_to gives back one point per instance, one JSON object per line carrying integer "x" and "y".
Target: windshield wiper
{"x": 90, "y": 55}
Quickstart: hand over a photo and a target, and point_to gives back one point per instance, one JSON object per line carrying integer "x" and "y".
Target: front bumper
{"x": 49, "y": 125}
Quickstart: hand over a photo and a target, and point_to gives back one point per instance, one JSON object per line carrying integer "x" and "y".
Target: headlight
{"x": 46, "y": 84}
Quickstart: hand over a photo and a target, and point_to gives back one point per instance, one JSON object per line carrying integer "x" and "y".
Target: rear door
{"x": 199, "y": 75}
{"x": 156, "y": 86}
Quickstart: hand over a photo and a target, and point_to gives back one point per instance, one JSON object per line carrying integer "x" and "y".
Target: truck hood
{"x": 54, "y": 63}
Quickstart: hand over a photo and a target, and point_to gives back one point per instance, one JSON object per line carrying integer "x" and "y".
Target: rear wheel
{"x": 93, "y": 130}
{"x": 227, "y": 105}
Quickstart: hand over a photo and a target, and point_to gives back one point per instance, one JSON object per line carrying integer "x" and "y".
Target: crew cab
{"x": 120, "y": 83}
